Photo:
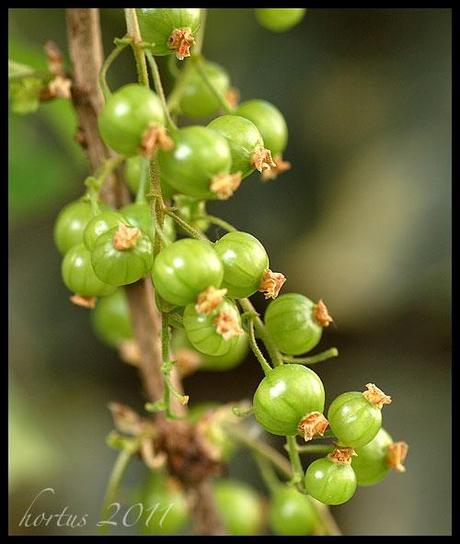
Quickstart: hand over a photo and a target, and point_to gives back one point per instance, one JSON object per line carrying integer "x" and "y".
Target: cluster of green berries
{"x": 202, "y": 282}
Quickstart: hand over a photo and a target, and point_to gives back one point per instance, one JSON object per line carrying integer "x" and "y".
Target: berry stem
{"x": 197, "y": 61}
{"x": 266, "y": 471}
{"x": 322, "y": 449}
{"x": 219, "y": 222}
{"x": 323, "y": 356}
{"x": 255, "y": 348}
{"x": 159, "y": 87}
{"x": 107, "y": 63}
{"x": 192, "y": 231}
{"x": 294, "y": 457}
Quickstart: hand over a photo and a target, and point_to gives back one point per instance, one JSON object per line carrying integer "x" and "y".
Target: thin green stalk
{"x": 197, "y": 62}
{"x": 322, "y": 449}
{"x": 175, "y": 320}
{"x": 255, "y": 348}
{"x": 134, "y": 32}
{"x": 266, "y": 471}
{"x": 192, "y": 231}
{"x": 113, "y": 484}
{"x": 219, "y": 222}
{"x": 105, "y": 67}
{"x": 159, "y": 87}
{"x": 296, "y": 463}
{"x": 166, "y": 363}
{"x": 323, "y": 356}
{"x": 275, "y": 355}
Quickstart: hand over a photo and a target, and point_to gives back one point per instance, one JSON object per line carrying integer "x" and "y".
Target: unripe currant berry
{"x": 295, "y": 323}
{"x": 374, "y": 460}
{"x": 246, "y": 144}
{"x": 355, "y": 418}
{"x": 185, "y": 269}
{"x": 132, "y": 121}
{"x": 197, "y": 99}
{"x": 71, "y": 223}
{"x": 170, "y": 30}
{"x": 239, "y": 507}
{"x": 199, "y": 164}
{"x": 99, "y": 225}
{"x": 122, "y": 255}
{"x": 279, "y": 19}
{"x": 291, "y": 513}
{"x": 111, "y": 319}
{"x": 331, "y": 479}
{"x": 215, "y": 332}
{"x": 287, "y": 397}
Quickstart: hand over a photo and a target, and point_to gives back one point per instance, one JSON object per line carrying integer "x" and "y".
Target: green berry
{"x": 100, "y": 224}
{"x": 111, "y": 319}
{"x": 330, "y": 482}
{"x": 279, "y": 19}
{"x": 371, "y": 461}
{"x": 70, "y": 224}
{"x": 291, "y": 513}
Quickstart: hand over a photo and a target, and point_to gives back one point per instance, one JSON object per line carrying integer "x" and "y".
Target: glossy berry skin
{"x": 330, "y": 482}
{"x": 198, "y": 100}
{"x": 353, "y": 419}
{"x": 78, "y": 274}
{"x": 133, "y": 173}
{"x": 291, "y": 324}
{"x": 279, "y": 19}
{"x": 291, "y": 513}
{"x": 100, "y": 224}
{"x": 245, "y": 261}
{"x": 239, "y": 508}
{"x": 285, "y": 396}
{"x": 139, "y": 214}
{"x": 156, "y": 25}
{"x": 270, "y": 122}
{"x": 234, "y": 356}
{"x": 199, "y": 154}
{"x": 201, "y": 329}
{"x": 111, "y": 319}
{"x": 243, "y": 137}
{"x": 371, "y": 463}
{"x": 70, "y": 224}
{"x": 126, "y": 116}
{"x": 184, "y": 269}
{"x": 121, "y": 267}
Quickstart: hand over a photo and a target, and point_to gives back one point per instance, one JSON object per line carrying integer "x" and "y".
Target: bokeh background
{"x": 362, "y": 220}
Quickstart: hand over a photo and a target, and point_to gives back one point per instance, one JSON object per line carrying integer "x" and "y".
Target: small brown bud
{"x": 180, "y": 40}
{"x": 262, "y": 159}
{"x": 321, "y": 314}
{"x": 376, "y": 396}
{"x": 126, "y": 237}
{"x": 85, "y": 302}
{"x": 313, "y": 424}
{"x": 396, "y": 455}
{"x": 227, "y": 325}
{"x": 342, "y": 455}
{"x": 224, "y": 185}
{"x": 271, "y": 283}
{"x": 280, "y": 167}
{"x": 155, "y": 137}
{"x": 209, "y": 299}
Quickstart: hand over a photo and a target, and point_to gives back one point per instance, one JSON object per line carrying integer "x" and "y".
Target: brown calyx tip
{"x": 187, "y": 361}
{"x": 313, "y": 424}
{"x": 232, "y": 96}
{"x": 321, "y": 314}
{"x": 271, "y": 283}
{"x": 155, "y": 137}
{"x": 280, "y": 167}
{"x": 342, "y": 455}
{"x": 209, "y": 299}
{"x": 54, "y": 58}
{"x": 130, "y": 353}
{"x": 224, "y": 185}
{"x": 85, "y": 302}
{"x": 376, "y": 396}
{"x": 180, "y": 40}
{"x": 126, "y": 237}
{"x": 396, "y": 455}
{"x": 227, "y": 325}
{"x": 262, "y": 159}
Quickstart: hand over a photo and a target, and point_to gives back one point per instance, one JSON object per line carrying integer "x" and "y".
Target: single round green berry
{"x": 100, "y": 224}
{"x": 355, "y": 418}
{"x": 239, "y": 507}
{"x": 295, "y": 323}
{"x": 78, "y": 274}
{"x": 285, "y": 397}
{"x": 214, "y": 333}
{"x": 198, "y": 100}
{"x": 279, "y": 19}
{"x": 170, "y": 30}
{"x": 70, "y": 224}
{"x": 122, "y": 256}
{"x": 291, "y": 513}
{"x": 111, "y": 319}
{"x": 128, "y": 113}
{"x": 184, "y": 269}
{"x": 330, "y": 481}
{"x": 245, "y": 261}
{"x": 270, "y": 122}
{"x": 198, "y": 163}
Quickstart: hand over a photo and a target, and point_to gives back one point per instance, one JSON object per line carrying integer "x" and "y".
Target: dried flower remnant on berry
{"x": 313, "y": 424}
{"x": 85, "y": 302}
{"x": 227, "y": 325}
{"x": 232, "y": 96}
{"x": 209, "y": 299}
{"x": 321, "y": 314}
{"x": 396, "y": 455}
{"x": 280, "y": 166}
{"x": 180, "y": 40}
{"x": 224, "y": 185}
{"x": 376, "y": 396}
{"x": 262, "y": 160}
{"x": 271, "y": 283}
{"x": 126, "y": 237}
{"x": 155, "y": 137}
{"x": 342, "y": 455}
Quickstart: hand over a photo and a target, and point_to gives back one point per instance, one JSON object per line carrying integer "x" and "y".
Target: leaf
{"x": 24, "y": 94}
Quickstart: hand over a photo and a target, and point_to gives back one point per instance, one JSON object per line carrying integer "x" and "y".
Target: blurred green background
{"x": 362, "y": 220}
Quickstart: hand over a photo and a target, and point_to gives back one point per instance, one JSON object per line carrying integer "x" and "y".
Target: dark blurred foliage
{"x": 363, "y": 220}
